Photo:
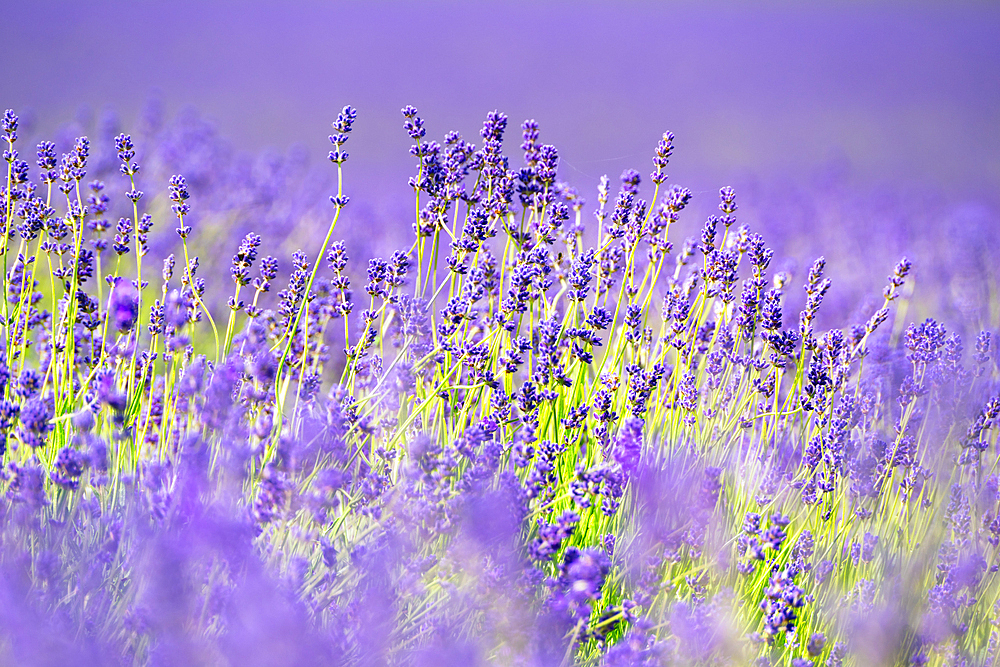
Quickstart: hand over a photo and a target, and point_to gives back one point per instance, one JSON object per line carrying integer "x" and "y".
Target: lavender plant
{"x": 533, "y": 438}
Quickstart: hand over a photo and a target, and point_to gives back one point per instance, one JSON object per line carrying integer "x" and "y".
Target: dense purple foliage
{"x": 517, "y": 437}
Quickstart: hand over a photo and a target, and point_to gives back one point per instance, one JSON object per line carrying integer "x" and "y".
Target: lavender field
{"x": 680, "y": 350}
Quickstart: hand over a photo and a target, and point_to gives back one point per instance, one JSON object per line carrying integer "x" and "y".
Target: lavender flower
{"x": 35, "y": 416}
{"x": 531, "y": 435}
{"x": 628, "y": 445}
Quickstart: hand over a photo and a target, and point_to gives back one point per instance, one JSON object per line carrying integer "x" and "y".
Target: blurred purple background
{"x": 900, "y": 92}
{"x": 883, "y": 118}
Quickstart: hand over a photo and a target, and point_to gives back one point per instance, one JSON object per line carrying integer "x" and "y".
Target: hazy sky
{"x": 896, "y": 92}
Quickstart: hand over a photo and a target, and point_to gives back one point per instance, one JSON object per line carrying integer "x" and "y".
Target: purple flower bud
{"x": 9, "y": 125}
{"x": 728, "y": 203}
{"x": 35, "y": 418}
{"x": 628, "y": 445}
{"x": 816, "y": 643}
{"x": 123, "y": 306}
{"x": 83, "y": 420}
{"x": 68, "y": 467}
